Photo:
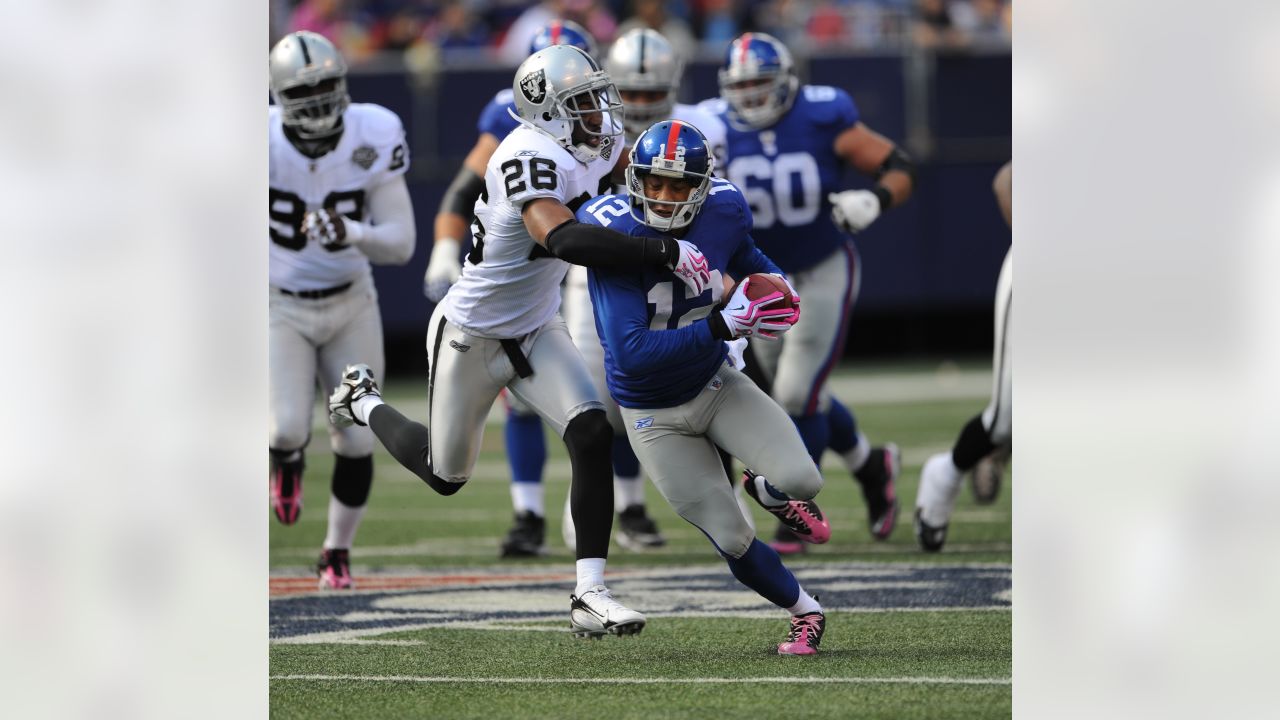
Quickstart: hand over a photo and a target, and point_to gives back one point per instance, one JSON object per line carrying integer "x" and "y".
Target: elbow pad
{"x": 460, "y": 198}
{"x": 898, "y": 160}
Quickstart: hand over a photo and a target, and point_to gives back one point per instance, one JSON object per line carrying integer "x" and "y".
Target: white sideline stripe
{"x": 657, "y": 681}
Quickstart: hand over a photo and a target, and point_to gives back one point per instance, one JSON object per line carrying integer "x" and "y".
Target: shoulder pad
{"x": 378, "y": 125}
{"x": 527, "y": 142}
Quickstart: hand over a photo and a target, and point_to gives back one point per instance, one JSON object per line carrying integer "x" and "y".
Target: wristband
{"x": 884, "y": 196}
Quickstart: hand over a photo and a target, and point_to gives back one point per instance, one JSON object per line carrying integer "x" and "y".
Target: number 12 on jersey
{"x": 669, "y": 314}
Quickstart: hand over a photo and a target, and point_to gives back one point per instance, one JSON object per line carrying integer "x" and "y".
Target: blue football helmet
{"x": 751, "y": 58}
{"x": 563, "y": 32}
{"x": 670, "y": 149}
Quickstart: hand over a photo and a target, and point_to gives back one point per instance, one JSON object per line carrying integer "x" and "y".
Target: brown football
{"x": 762, "y": 284}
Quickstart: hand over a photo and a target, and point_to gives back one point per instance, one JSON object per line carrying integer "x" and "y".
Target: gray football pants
{"x": 468, "y": 372}
{"x": 997, "y": 418}
{"x": 311, "y": 342}
{"x": 800, "y": 362}
{"x": 677, "y": 448}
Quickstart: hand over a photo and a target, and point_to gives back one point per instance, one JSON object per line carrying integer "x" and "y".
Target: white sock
{"x": 343, "y": 521}
{"x": 590, "y": 574}
{"x": 940, "y": 482}
{"x": 364, "y": 406}
{"x": 763, "y": 494}
{"x": 627, "y": 491}
{"x": 857, "y": 456}
{"x": 805, "y": 604}
{"x": 527, "y": 496}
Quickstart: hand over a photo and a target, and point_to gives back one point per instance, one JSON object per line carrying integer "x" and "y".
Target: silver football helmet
{"x": 644, "y": 61}
{"x": 561, "y": 92}
{"x": 309, "y": 83}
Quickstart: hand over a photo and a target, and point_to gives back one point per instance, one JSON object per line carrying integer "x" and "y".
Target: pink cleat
{"x": 801, "y": 517}
{"x": 286, "y": 490}
{"x": 334, "y": 570}
{"x": 806, "y": 634}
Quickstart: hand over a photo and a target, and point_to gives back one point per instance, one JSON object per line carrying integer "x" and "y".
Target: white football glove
{"x": 443, "y": 270}
{"x": 763, "y": 317}
{"x": 329, "y": 228}
{"x": 692, "y": 268}
{"x": 854, "y": 210}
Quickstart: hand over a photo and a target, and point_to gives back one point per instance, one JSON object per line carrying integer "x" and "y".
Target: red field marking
{"x": 304, "y": 585}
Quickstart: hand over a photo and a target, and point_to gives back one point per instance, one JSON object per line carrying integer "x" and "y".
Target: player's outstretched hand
{"x": 854, "y": 210}
{"x": 766, "y": 316}
{"x": 326, "y": 227}
{"x": 692, "y": 268}
{"x": 443, "y": 270}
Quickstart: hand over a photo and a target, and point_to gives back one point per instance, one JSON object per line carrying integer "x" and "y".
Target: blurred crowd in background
{"x": 369, "y": 30}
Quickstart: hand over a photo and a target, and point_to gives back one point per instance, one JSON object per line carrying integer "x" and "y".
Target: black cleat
{"x": 988, "y": 474}
{"x": 637, "y": 531}
{"x": 931, "y": 538}
{"x": 876, "y": 478}
{"x": 527, "y": 538}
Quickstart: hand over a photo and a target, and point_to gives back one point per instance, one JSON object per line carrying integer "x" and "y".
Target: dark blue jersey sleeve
{"x": 495, "y": 119}
{"x": 622, "y": 319}
{"x": 748, "y": 259}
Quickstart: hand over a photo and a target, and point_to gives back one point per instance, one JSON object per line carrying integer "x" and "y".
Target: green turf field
{"x": 908, "y": 634}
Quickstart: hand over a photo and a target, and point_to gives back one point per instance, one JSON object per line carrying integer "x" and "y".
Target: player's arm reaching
{"x": 875, "y": 155}
{"x": 451, "y": 221}
{"x": 389, "y": 236}
{"x": 1003, "y": 188}
{"x": 552, "y": 225}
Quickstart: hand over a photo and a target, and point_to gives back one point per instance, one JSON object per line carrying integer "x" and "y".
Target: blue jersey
{"x": 495, "y": 119}
{"x": 655, "y": 354}
{"x": 786, "y": 172}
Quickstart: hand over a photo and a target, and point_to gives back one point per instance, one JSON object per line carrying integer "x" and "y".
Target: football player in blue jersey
{"x": 787, "y": 146}
{"x": 665, "y": 358}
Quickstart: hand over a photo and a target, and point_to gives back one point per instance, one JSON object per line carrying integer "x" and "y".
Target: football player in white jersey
{"x": 984, "y": 442}
{"x": 498, "y": 326}
{"x": 338, "y": 201}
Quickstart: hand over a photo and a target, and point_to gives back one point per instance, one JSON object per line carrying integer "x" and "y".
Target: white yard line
{"x": 921, "y": 680}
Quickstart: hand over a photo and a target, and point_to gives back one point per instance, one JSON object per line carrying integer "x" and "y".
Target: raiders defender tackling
{"x": 338, "y": 200}
{"x": 498, "y": 326}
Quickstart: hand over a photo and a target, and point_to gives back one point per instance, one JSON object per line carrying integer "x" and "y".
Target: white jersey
{"x": 510, "y": 285}
{"x": 372, "y": 151}
{"x": 706, "y": 123}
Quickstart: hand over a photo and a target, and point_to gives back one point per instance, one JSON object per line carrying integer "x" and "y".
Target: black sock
{"x": 973, "y": 444}
{"x": 589, "y": 439}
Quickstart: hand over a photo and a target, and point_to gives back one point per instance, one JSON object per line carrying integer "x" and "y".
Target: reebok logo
{"x": 459, "y": 346}
{"x": 644, "y": 422}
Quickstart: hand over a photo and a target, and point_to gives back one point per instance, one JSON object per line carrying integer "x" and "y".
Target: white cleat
{"x": 595, "y": 613}
{"x": 357, "y": 382}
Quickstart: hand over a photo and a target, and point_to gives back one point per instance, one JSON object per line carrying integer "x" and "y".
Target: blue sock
{"x": 814, "y": 431}
{"x": 526, "y": 447}
{"x": 625, "y": 462}
{"x": 762, "y": 570}
{"x": 843, "y": 427}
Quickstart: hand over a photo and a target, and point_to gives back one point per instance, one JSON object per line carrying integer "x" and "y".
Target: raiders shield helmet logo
{"x": 534, "y": 86}
{"x": 364, "y": 156}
